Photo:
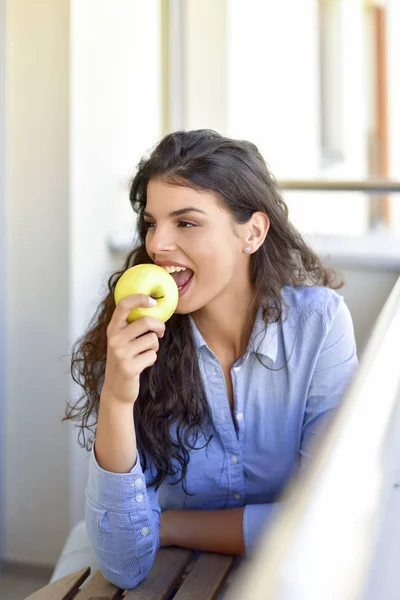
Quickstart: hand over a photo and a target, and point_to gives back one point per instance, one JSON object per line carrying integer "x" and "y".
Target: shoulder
{"x": 315, "y": 299}
{"x": 321, "y": 319}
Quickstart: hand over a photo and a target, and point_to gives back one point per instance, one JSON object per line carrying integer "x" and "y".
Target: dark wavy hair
{"x": 171, "y": 413}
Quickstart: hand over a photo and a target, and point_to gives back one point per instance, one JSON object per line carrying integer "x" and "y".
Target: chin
{"x": 182, "y": 311}
{"x": 185, "y": 308}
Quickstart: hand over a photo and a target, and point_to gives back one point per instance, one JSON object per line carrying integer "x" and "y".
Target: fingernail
{"x": 152, "y": 302}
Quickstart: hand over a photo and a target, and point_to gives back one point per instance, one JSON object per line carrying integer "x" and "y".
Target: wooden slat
{"x": 204, "y": 580}
{"x": 99, "y": 588}
{"x": 62, "y": 589}
{"x": 167, "y": 569}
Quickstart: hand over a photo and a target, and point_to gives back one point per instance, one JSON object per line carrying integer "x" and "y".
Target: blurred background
{"x": 87, "y": 87}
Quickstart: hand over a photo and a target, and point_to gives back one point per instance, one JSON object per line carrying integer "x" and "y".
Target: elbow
{"x": 126, "y": 573}
{"x": 125, "y": 580}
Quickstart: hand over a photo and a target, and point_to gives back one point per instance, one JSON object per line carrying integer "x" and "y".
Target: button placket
{"x": 216, "y": 390}
{"x": 236, "y": 477}
{"x": 218, "y": 397}
{"x": 238, "y": 376}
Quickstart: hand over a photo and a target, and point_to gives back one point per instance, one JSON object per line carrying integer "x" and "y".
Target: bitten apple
{"x": 153, "y": 281}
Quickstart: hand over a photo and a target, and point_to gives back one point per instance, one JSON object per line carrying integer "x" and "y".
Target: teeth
{"x": 173, "y": 269}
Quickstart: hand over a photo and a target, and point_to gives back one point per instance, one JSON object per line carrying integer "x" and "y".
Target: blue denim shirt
{"x": 293, "y": 373}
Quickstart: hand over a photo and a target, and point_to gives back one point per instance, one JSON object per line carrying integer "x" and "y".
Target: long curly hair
{"x": 171, "y": 412}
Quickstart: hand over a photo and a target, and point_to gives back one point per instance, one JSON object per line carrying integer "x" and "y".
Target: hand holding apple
{"x": 133, "y": 346}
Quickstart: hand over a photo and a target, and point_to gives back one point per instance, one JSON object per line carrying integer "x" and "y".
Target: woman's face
{"x": 190, "y": 229}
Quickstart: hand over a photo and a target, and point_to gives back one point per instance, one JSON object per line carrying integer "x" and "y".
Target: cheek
{"x": 217, "y": 266}
{"x": 219, "y": 247}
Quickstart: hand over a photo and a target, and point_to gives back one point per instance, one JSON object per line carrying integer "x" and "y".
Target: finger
{"x": 147, "y": 359}
{"x": 146, "y": 342}
{"x": 124, "y": 307}
{"x": 141, "y": 362}
{"x": 140, "y": 327}
{"x": 135, "y": 330}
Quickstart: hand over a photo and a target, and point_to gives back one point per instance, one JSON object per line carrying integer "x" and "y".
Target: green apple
{"x": 153, "y": 281}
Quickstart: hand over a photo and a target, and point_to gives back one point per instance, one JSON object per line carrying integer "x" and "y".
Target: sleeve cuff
{"x": 115, "y": 490}
{"x": 255, "y": 519}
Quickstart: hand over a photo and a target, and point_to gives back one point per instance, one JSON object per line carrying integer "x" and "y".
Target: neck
{"x": 226, "y": 324}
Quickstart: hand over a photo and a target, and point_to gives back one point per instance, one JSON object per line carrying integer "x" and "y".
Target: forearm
{"x": 204, "y": 530}
{"x": 115, "y": 446}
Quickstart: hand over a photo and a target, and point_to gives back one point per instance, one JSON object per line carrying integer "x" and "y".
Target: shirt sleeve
{"x": 123, "y": 520}
{"x": 333, "y": 373}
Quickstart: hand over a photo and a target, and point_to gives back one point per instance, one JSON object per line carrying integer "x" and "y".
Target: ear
{"x": 255, "y": 231}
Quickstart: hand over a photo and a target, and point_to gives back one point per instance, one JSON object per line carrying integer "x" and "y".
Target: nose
{"x": 160, "y": 239}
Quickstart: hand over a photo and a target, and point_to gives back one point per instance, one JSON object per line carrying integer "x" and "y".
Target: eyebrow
{"x": 177, "y": 213}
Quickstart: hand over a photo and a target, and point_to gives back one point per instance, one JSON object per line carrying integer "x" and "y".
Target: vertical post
{"x": 381, "y": 103}
{"x": 172, "y": 65}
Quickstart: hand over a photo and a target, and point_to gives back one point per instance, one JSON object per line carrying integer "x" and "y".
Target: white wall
{"x": 82, "y": 104}
{"x": 205, "y": 64}
{"x": 37, "y": 292}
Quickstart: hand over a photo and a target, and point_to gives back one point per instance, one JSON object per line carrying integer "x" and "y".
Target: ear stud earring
{"x": 247, "y": 248}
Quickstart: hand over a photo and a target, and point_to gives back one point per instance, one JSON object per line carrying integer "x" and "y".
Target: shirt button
{"x": 138, "y": 482}
{"x": 235, "y": 459}
{"x": 236, "y": 369}
{"x": 145, "y": 531}
{"x": 236, "y": 496}
{"x": 213, "y": 370}
{"x": 239, "y": 417}
{"x": 139, "y": 498}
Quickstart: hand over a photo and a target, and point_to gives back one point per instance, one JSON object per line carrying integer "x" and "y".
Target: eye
{"x": 149, "y": 224}
{"x": 185, "y": 224}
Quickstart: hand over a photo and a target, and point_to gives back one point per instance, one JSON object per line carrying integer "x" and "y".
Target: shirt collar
{"x": 263, "y": 340}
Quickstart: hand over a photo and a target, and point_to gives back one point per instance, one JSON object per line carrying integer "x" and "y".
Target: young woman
{"x": 200, "y": 422}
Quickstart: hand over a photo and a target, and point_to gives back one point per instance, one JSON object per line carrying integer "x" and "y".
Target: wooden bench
{"x": 175, "y": 574}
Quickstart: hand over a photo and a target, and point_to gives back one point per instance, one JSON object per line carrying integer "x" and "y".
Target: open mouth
{"x": 184, "y": 288}
{"x": 183, "y": 277}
